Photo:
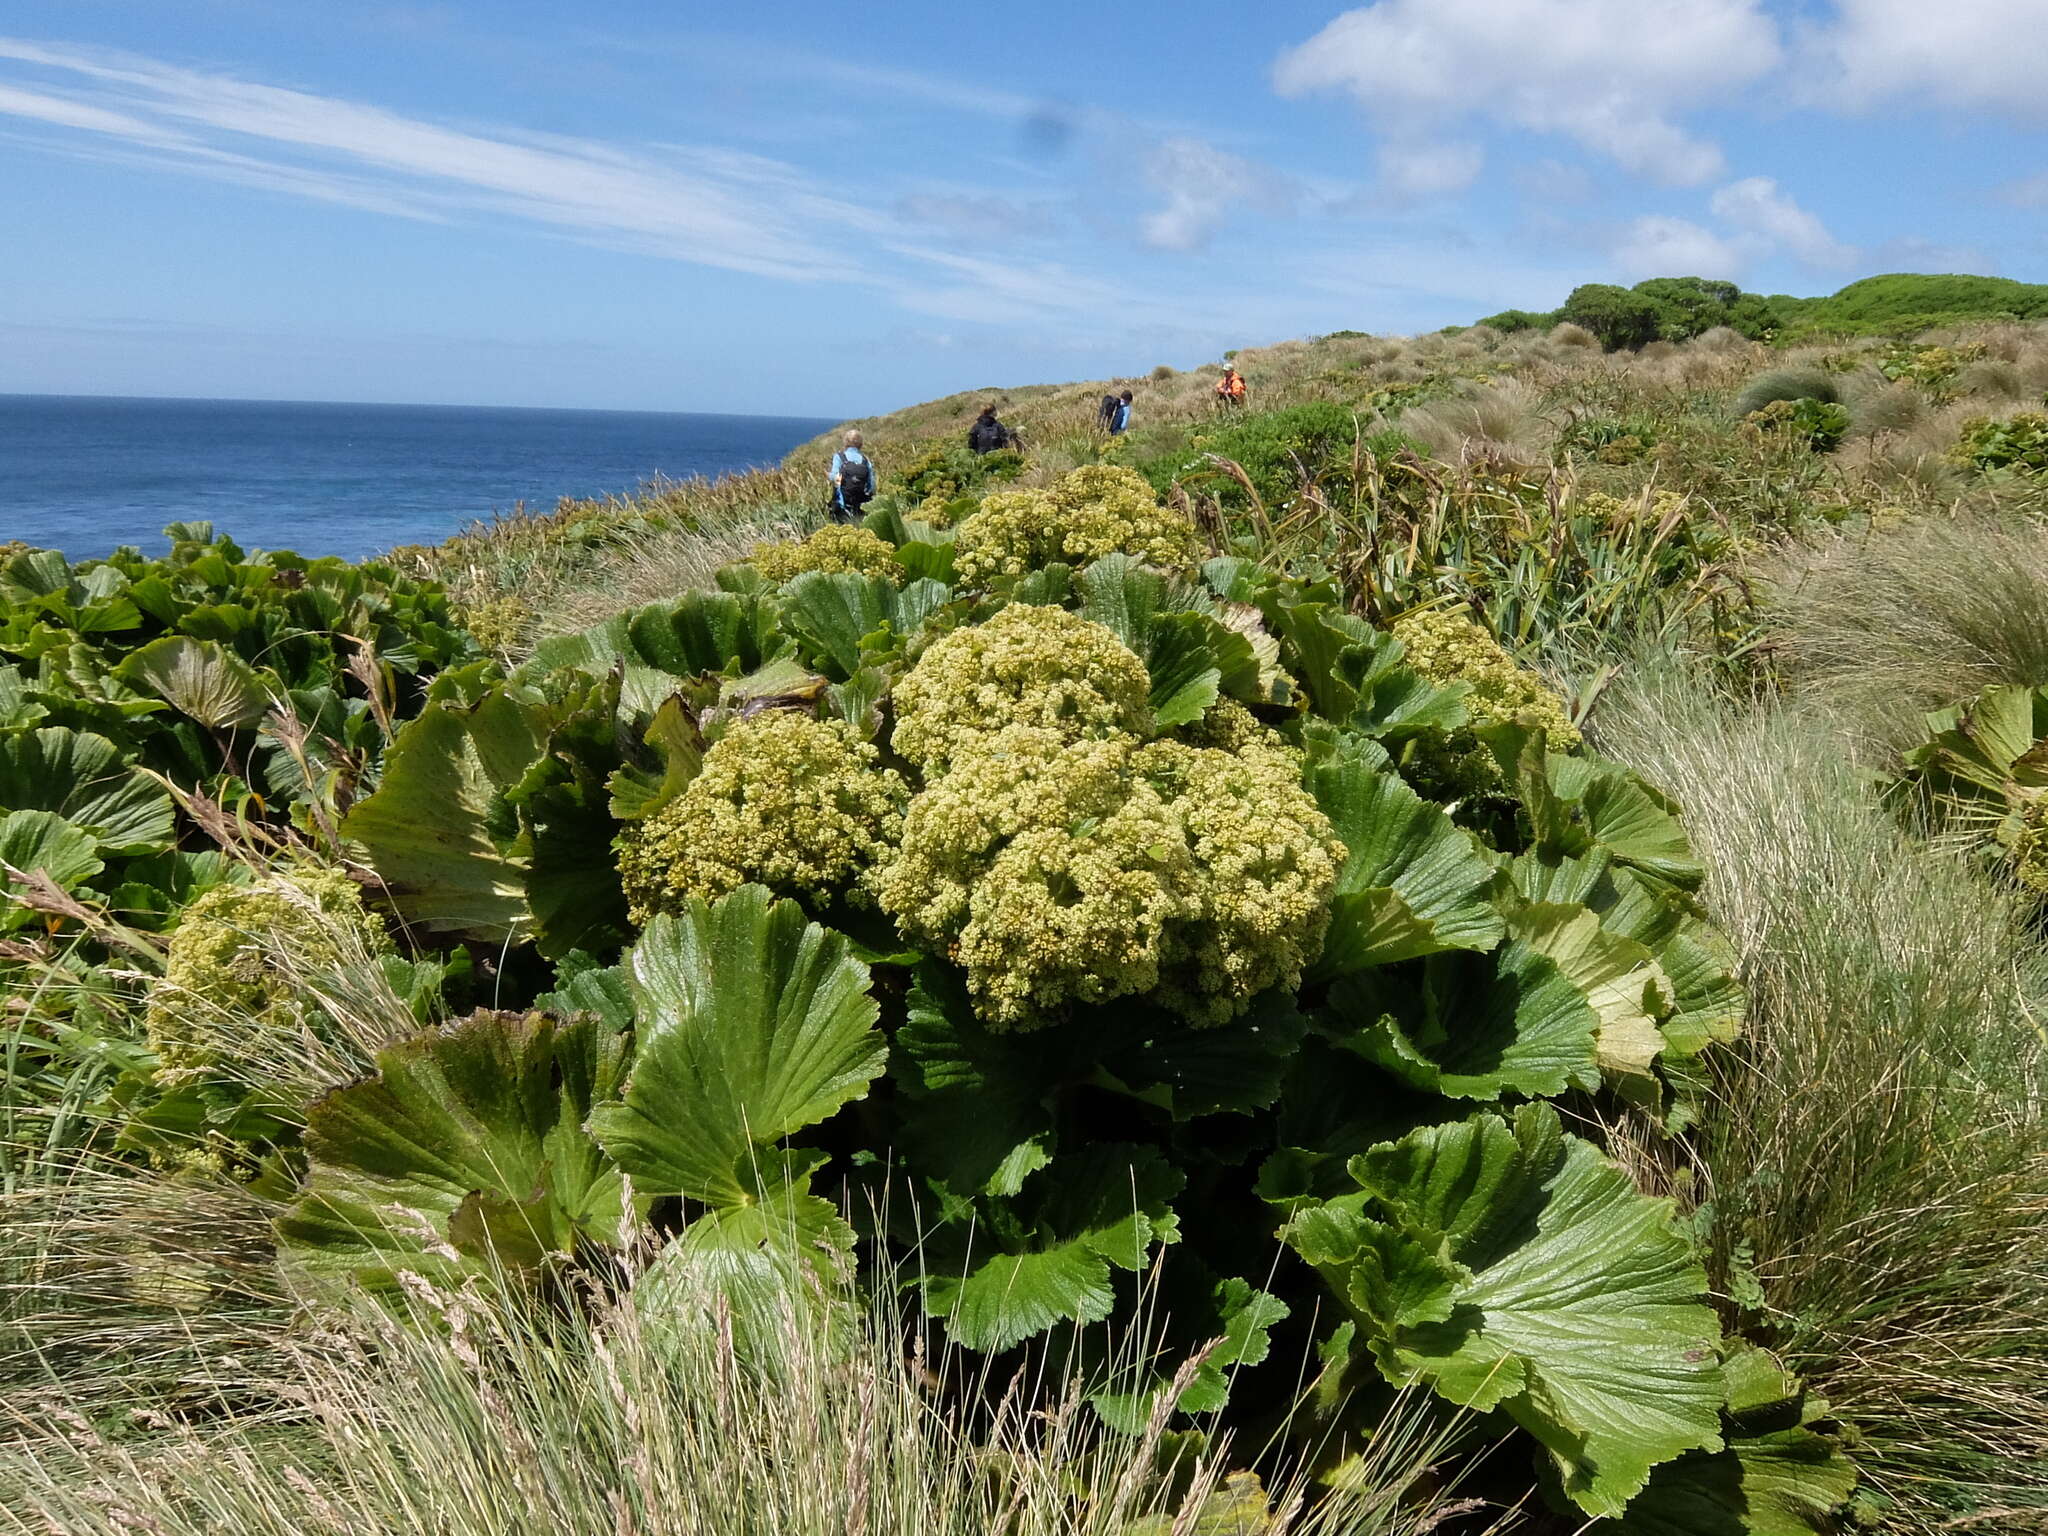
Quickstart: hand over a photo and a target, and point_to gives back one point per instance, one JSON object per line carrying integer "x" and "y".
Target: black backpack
{"x": 856, "y": 480}
{"x": 1106, "y": 412}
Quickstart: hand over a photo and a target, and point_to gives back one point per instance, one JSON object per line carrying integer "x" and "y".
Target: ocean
{"x": 85, "y": 474}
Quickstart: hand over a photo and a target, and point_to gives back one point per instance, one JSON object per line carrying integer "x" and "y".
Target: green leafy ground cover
{"x": 1158, "y": 919}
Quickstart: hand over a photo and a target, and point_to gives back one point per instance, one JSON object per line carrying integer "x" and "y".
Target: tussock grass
{"x": 158, "y": 1380}
{"x": 1877, "y": 628}
{"x": 1877, "y": 1150}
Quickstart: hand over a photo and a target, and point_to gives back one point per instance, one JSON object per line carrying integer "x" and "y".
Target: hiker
{"x": 853, "y": 481}
{"x": 1230, "y": 388}
{"x": 1120, "y": 415}
{"x": 987, "y": 434}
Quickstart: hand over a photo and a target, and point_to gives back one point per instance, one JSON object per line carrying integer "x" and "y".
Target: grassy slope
{"x": 1878, "y": 1156}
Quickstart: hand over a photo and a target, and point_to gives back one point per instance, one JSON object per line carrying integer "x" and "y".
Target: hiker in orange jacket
{"x": 1230, "y": 388}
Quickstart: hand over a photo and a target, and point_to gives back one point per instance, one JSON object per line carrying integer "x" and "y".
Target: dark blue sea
{"x": 84, "y": 474}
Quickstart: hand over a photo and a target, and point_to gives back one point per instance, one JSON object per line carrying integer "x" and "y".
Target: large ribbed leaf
{"x": 831, "y": 612}
{"x": 1779, "y": 1476}
{"x": 437, "y": 830}
{"x": 202, "y": 679}
{"x": 696, "y": 633}
{"x": 977, "y": 1112}
{"x": 467, "y": 1145}
{"x": 1697, "y": 961}
{"x": 1043, "y": 1258}
{"x": 1474, "y": 1026}
{"x": 1619, "y": 977}
{"x": 42, "y": 842}
{"x": 80, "y": 776}
{"x": 750, "y": 1260}
{"x": 1579, "y": 803}
{"x": 753, "y": 1023}
{"x": 1415, "y": 883}
{"x": 1193, "y": 658}
{"x": 1515, "y": 1267}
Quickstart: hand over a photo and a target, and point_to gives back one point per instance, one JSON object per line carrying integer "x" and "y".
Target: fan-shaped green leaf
{"x": 1415, "y": 883}
{"x": 831, "y": 612}
{"x": 977, "y": 1113}
{"x": 753, "y": 1023}
{"x": 80, "y": 776}
{"x": 1516, "y": 1267}
{"x": 1043, "y": 1258}
{"x": 468, "y": 1143}
{"x": 693, "y": 634}
{"x": 43, "y": 842}
{"x": 1579, "y": 803}
{"x": 1474, "y": 1026}
{"x": 1779, "y": 1476}
{"x": 201, "y": 679}
{"x": 437, "y": 831}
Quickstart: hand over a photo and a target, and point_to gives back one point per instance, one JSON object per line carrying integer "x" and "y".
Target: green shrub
{"x": 1820, "y": 424}
{"x": 2013, "y": 442}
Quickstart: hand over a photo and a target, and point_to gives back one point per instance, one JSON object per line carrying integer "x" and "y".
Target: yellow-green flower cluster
{"x": 792, "y": 802}
{"x": 221, "y": 978}
{"x": 1097, "y": 510}
{"x": 2029, "y": 843}
{"x": 833, "y": 548}
{"x": 1447, "y": 647}
{"x": 1048, "y": 868}
{"x": 1061, "y": 858}
{"x": 1028, "y": 665}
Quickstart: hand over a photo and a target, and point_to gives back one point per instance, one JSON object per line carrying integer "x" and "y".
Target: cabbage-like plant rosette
{"x": 1095, "y": 910}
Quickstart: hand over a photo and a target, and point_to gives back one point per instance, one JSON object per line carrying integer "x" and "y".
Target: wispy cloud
{"x": 714, "y": 207}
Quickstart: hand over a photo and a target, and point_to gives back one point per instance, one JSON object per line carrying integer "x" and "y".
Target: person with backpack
{"x": 987, "y": 434}
{"x": 853, "y": 480}
{"x": 1230, "y": 389}
{"x": 1120, "y": 415}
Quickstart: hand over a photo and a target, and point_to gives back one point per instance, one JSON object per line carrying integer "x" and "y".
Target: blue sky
{"x": 823, "y": 209}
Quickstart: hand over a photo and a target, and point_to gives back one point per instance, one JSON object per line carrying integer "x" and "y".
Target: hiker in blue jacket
{"x": 1120, "y": 418}
{"x": 853, "y": 480}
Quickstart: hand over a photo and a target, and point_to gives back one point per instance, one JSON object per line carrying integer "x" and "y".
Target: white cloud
{"x": 1612, "y": 75}
{"x": 1202, "y": 185}
{"x": 1414, "y": 172}
{"x": 1763, "y": 215}
{"x": 694, "y": 203}
{"x": 1657, "y": 245}
{"x": 1966, "y": 54}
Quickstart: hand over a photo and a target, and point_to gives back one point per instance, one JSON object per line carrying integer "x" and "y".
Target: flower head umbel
{"x": 1026, "y": 666}
{"x": 797, "y": 804}
{"x": 833, "y": 548}
{"x": 1097, "y": 510}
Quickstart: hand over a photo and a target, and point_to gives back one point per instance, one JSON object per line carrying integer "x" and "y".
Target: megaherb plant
{"x": 1981, "y": 778}
{"x": 1089, "y": 939}
{"x": 155, "y": 715}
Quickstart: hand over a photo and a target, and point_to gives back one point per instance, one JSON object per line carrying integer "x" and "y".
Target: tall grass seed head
{"x": 1028, "y": 665}
{"x": 219, "y": 962}
{"x": 786, "y": 800}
